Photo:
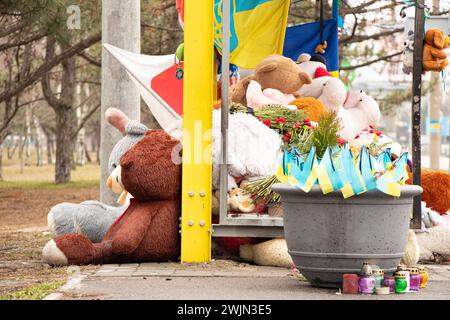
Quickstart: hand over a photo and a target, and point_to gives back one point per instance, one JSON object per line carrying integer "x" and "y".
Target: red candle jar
{"x": 350, "y": 283}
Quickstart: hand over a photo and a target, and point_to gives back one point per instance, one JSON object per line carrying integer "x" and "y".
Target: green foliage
{"x": 322, "y": 136}
{"x": 37, "y": 292}
{"x": 261, "y": 189}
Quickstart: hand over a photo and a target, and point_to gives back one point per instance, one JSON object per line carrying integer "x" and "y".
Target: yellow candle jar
{"x": 423, "y": 277}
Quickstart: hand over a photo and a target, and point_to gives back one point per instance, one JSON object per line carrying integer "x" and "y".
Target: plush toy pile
{"x": 283, "y": 108}
{"x": 148, "y": 229}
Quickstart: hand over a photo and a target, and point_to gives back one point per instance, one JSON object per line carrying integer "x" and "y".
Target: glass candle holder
{"x": 366, "y": 284}
{"x": 389, "y": 281}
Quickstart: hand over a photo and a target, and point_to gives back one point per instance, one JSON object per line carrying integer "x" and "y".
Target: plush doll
{"x": 310, "y": 63}
{"x": 148, "y": 229}
{"x": 370, "y": 138}
{"x": 408, "y": 53}
{"x": 244, "y": 159}
{"x": 238, "y": 92}
{"x": 320, "y": 48}
{"x": 434, "y": 57}
{"x": 257, "y": 98}
{"x": 312, "y": 108}
{"x": 279, "y": 74}
{"x": 93, "y": 218}
{"x": 332, "y": 93}
{"x": 268, "y": 253}
{"x": 239, "y": 201}
{"x": 436, "y": 190}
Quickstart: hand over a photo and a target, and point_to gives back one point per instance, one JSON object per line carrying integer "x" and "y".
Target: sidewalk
{"x": 222, "y": 279}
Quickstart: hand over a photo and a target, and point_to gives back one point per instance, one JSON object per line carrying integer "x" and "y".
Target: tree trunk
{"x": 37, "y": 138}
{"x": 1, "y": 162}
{"x": 27, "y": 135}
{"x": 64, "y": 144}
{"x": 120, "y": 27}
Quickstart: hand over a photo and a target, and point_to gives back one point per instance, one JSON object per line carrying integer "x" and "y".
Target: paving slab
{"x": 223, "y": 280}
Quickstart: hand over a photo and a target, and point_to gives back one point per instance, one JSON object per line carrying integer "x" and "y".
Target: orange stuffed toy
{"x": 434, "y": 58}
{"x": 436, "y": 190}
{"x": 312, "y": 107}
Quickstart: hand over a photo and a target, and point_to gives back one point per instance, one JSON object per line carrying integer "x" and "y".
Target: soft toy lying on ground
{"x": 148, "y": 229}
{"x": 93, "y": 218}
{"x": 332, "y": 93}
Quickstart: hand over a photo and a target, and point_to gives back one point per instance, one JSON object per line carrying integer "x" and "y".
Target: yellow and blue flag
{"x": 366, "y": 168}
{"x": 350, "y": 174}
{"x": 328, "y": 173}
{"x": 303, "y": 174}
{"x": 257, "y": 29}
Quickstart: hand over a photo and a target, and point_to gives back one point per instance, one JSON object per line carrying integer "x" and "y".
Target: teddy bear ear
{"x": 438, "y": 39}
{"x": 305, "y": 77}
{"x": 268, "y": 67}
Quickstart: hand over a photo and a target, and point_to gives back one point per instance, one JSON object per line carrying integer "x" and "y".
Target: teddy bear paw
{"x": 53, "y": 255}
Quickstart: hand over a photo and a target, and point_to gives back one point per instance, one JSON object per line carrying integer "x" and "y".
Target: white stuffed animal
{"x": 408, "y": 53}
{"x": 332, "y": 93}
{"x": 248, "y": 139}
{"x": 310, "y": 66}
{"x": 256, "y": 97}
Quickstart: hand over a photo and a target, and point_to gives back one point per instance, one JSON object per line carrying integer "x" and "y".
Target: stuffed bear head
{"x": 278, "y": 72}
{"x": 435, "y": 38}
{"x": 328, "y": 89}
{"x": 132, "y": 132}
{"x": 310, "y": 64}
{"x": 238, "y": 91}
{"x": 149, "y": 171}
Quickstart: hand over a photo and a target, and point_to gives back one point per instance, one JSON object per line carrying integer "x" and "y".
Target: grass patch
{"x": 48, "y": 184}
{"x": 36, "y": 292}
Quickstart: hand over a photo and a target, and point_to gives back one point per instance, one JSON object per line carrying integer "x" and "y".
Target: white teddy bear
{"x": 253, "y": 148}
{"x": 332, "y": 93}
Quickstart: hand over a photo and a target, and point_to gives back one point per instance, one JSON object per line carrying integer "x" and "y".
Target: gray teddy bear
{"x": 93, "y": 218}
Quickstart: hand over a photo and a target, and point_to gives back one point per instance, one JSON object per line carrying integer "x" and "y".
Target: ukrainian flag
{"x": 303, "y": 174}
{"x": 350, "y": 174}
{"x": 257, "y": 29}
{"x": 328, "y": 173}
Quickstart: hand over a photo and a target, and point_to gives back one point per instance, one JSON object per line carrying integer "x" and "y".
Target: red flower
{"x": 280, "y": 120}
{"x": 379, "y": 133}
{"x": 287, "y": 137}
{"x": 267, "y": 122}
{"x": 297, "y": 125}
{"x": 357, "y": 136}
{"x": 341, "y": 141}
{"x": 307, "y": 122}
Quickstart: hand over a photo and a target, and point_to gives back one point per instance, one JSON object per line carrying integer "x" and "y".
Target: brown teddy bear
{"x": 434, "y": 58}
{"x": 273, "y": 72}
{"x": 148, "y": 229}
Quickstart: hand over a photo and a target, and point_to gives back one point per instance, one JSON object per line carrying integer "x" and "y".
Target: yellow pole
{"x": 197, "y": 123}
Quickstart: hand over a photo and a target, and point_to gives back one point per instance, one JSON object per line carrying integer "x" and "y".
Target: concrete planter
{"x": 328, "y": 235}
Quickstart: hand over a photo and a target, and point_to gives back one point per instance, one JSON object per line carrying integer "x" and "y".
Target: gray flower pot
{"x": 328, "y": 235}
